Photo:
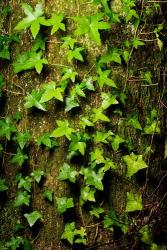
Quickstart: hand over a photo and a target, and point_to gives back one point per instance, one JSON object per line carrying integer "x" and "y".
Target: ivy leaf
{"x": 63, "y": 130}
{"x": 37, "y": 174}
{"x": 71, "y": 103}
{"x": 45, "y": 139}
{"x": 48, "y": 194}
{"x": 103, "y": 79}
{"x": 87, "y": 83}
{"x": 19, "y": 158}
{"x": 108, "y": 100}
{"x": 85, "y": 122}
{"x": 33, "y": 20}
{"x": 69, "y": 232}
{"x": 75, "y": 54}
{"x": 68, "y": 173}
{"x": 63, "y": 204}
{"x": 3, "y": 186}
{"x": 33, "y": 100}
{"x": 134, "y": 163}
{"x": 152, "y": 127}
{"x": 69, "y": 42}
{"x": 7, "y": 128}
{"x": 22, "y": 139}
{"x": 69, "y": 74}
{"x": 134, "y": 202}
{"x": 147, "y": 76}
{"x": 146, "y": 236}
{"x": 96, "y": 211}
{"x": 111, "y": 56}
{"x": 81, "y": 234}
{"x": 117, "y": 140}
{"x": 15, "y": 243}
{"x": 24, "y": 182}
{"x": 134, "y": 122}
{"x": 92, "y": 178}
{"x": 78, "y": 142}
{"x": 97, "y": 156}
{"x": 91, "y": 25}
{"x": 56, "y": 22}
{"x": 29, "y": 60}
{"x": 33, "y": 217}
{"x": 101, "y": 137}
{"x": 87, "y": 194}
{"x": 98, "y": 115}
{"x": 136, "y": 43}
{"x": 23, "y": 198}
{"x": 50, "y": 92}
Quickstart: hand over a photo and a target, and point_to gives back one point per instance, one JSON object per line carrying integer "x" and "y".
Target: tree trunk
{"x": 142, "y": 97}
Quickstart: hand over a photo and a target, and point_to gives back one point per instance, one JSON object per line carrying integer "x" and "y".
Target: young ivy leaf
{"x": 134, "y": 163}
{"x": 69, "y": 42}
{"x": 37, "y": 175}
{"x": 29, "y": 60}
{"x": 101, "y": 137}
{"x": 136, "y": 43}
{"x": 134, "y": 122}
{"x": 98, "y": 115}
{"x": 19, "y": 158}
{"x": 108, "y": 100}
{"x": 24, "y": 182}
{"x": 85, "y": 122}
{"x": 23, "y": 198}
{"x": 50, "y": 92}
{"x": 45, "y": 140}
{"x": 3, "y": 186}
{"x": 103, "y": 79}
{"x": 134, "y": 202}
{"x": 78, "y": 143}
{"x": 7, "y": 128}
{"x": 92, "y": 178}
{"x": 71, "y": 103}
{"x": 33, "y": 100}
{"x": 87, "y": 194}
{"x": 63, "y": 130}
{"x": 68, "y": 173}
{"x": 22, "y": 139}
{"x": 69, "y": 74}
{"x": 111, "y": 56}
{"x": 56, "y": 22}
{"x": 75, "y": 54}
{"x": 96, "y": 211}
{"x": 48, "y": 194}
{"x": 117, "y": 140}
{"x": 33, "y": 19}
{"x": 33, "y": 217}
{"x": 91, "y": 25}
{"x": 63, "y": 204}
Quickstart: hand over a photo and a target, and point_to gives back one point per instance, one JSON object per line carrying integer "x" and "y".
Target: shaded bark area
{"x": 141, "y": 99}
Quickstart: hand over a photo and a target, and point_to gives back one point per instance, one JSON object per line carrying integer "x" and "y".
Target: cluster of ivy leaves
{"x": 71, "y": 91}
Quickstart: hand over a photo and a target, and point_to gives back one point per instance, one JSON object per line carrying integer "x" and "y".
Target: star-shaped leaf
{"x": 23, "y": 198}
{"x": 33, "y": 217}
{"x": 134, "y": 202}
{"x": 87, "y": 194}
{"x": 67, "y": 173}
{"x": 64, "y": 203}
{"x": 69, "y": 232}
{"x": 69, "y": 42}
{"x": 75, "y": 54}
{"x": 103, "y": 79}
{"x": 33, "y": 19}
{"x": 56, "y": 22}
{"x": 50, "y": 92}
{"x": 7, "y": 128}
{"x": 108, "y": 100}
{"x": 22, "y": 138}
{"x": 134, "y": 163}
{"x": 63, "y": 130}
{"x": 33, "y": 100}
{"x": 37, "y": 175}
{"x": 19, "y": 158}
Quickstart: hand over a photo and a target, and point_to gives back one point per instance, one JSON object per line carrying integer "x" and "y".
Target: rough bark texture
{"x": 140, "y": 98}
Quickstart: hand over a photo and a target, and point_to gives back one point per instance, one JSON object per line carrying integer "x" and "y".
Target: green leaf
{"x": 33, "y": 217}
{"x": 117, "y": 140}
{"x": 69, "y": 232}
{"x": 92, "y": 178}
{"x": 24, "y": 182}
{"x": 78, "y": 142}
{"x": 3, "y": 186}
{"x": 69, "y": 74}
{"x": 87, "y": 194}
{"x": 103, "y": 79}
{"x": 14, "y": 243}
{"x": 146, "y": 236}
{"x": 96, "y": 211}
{"x": 153, "y": 127}
{"x": 56, "y": 22}
{"x": 134, "y": 122}
{"x": 101, "y": 137}
{"x": 81, "y": 234}
{"x": 68, "y": 173}
{"x": 134, "y": 202}
{"x": 37, "y": 174}
{"x": 48, "y": 194}
{"x": 111, "y": 56}
{"x": 33, "y": 19}
{"x": 134, "y": 163}
{"x": 108, "y": 100}
{"x": 136, "y": 43}
{"x": 98, "y": 115}
{"x": 71, "y": 103}
{"x": 64, "y": 203}
{"x": 22, "y": 139}
{"x": 19, "y": 158}
{"x": 50, "y": 92}
{"x": 45, "y": 140}
{"x": 23, "y": 198}
{"x": 91, "y": 25}
{"x": 69, "y": 42}
{"x": 29, "y": 60}
{"x": 75, "y": 54}
{"x": 33, "y": 100}
{"x": 7, "y": 128}
{"x": 63, "y": 130}
{"x": 97, "y": 156}
{"x": 85, "y": 122}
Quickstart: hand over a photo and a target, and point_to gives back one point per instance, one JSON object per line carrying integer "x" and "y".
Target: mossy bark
{"x": 141, "y": 99}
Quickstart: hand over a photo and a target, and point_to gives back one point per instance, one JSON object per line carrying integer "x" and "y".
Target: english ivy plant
{"x": 63, "y": 130}
{"x": 33, "y": 217}
{"x": 64, "y": 203}
{"x": 134, "y": 202}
